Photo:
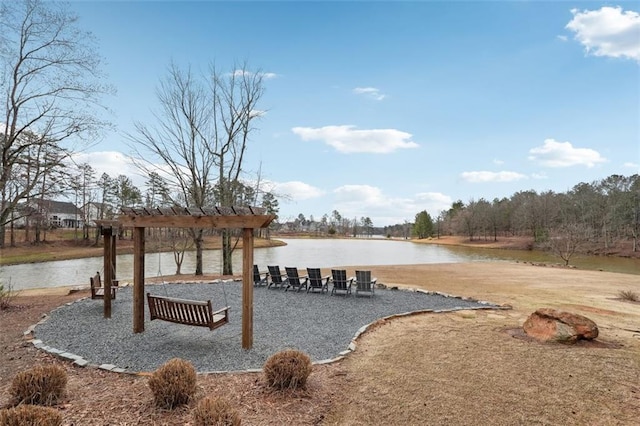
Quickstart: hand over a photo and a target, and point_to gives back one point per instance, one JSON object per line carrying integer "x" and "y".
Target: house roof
{"x": 52, "y": 206}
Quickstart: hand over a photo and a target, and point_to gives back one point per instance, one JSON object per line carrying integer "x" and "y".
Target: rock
{"x": 551, "y": 325}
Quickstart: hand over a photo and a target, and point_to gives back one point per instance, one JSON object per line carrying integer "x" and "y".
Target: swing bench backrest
{"x": 188, "y": 312}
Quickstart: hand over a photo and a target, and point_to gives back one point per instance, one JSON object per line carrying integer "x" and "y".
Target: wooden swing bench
{"x": 97, "y": 290}
{"x": 188, "y": 312}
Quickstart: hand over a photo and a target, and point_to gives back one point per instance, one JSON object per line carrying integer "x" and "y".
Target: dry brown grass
{"x": 463, "y": 368}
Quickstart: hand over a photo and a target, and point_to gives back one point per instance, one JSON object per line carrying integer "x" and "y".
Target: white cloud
{"x": 539, "y": 176}
{"x": 356, "y": 201}
{"x": 370, "y": 92}
{"x": 563, "y": 37}
{"x": 265, "y": 75}
{"x": 485, "y": 176}
{"x": 609, "y": 31}
{"x": 296, "y": 190}
{"x": 347, "y": 139}
{"x": 630, "y": 165}
{"x": 498, "y": 162}
{"x": 112, "y": 163}
{"x": 433, "y": 202}
{"x": 562, "y": 154}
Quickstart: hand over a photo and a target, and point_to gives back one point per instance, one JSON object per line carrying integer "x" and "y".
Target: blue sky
{"x": 385, "y": 109}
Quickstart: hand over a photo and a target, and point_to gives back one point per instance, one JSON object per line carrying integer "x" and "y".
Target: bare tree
{"x": 200, "y": 140}
{"x": 567, "y": 239}
{"x": 50, "y": 82}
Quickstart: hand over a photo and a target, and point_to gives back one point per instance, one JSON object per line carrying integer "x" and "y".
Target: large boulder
{"x": 551, "y": 325}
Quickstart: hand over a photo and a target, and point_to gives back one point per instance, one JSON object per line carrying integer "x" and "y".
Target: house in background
{"x": 56, "y": 214}
{"x": 97, "y": 211}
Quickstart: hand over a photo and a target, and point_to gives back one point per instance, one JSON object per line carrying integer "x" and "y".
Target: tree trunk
{"x": 197, "y": 240}
{"x": 227, "y": 263}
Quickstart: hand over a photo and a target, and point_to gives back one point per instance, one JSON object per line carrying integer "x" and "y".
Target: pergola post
{"x": 138, "y": 279}
{"x": 247, "y": 288}
{"x": 107, "y": 232}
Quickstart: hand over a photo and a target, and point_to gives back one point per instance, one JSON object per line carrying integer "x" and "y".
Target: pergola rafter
{"x": 246, "y": 218}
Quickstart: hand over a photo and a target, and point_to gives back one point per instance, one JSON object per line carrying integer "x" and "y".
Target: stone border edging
{"x": 81, "y": 362}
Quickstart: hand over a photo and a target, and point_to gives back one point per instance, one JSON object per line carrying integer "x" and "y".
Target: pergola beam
{"x": 253, "y": 221}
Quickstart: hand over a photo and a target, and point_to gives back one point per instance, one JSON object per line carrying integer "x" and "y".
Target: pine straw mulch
{"x": 456, "y": 368}
{"x": 98, "y": 397}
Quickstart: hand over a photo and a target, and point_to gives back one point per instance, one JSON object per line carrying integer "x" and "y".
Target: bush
{"x": 629, "y": 295}
{"x": 6, "y": 296}
{"x": 173, "y": 383}
{"x": 287, "y": 369}
{"x": 40, "y": 385}
{"x": 30, "y": 415}
{"x": 215, "y": 412}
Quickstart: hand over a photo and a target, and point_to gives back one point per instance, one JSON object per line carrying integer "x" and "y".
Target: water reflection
{"x": 298, "y": 252}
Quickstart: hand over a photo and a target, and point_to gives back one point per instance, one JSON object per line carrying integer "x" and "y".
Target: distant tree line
{"x": 602, "y": 214}
{"x": 329, "y": 225}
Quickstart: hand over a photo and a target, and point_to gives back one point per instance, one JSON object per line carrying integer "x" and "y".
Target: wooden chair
{"x": 97, "y": 291}
{"x": 317, "y": 281}
{"x": 295, "y": 280}
{"x": 364, "y": 283}
{"x": 188, "y": 312}
{"x": 276, "y": 279}
{"x": 340, "y": 282}
{"x": 258, "y": 279}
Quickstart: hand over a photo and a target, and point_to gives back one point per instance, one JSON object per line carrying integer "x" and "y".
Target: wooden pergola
{"x": 246, "y": 218}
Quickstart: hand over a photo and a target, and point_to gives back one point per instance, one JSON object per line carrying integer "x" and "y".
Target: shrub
{"x": 40, "y": 385}
{"x": 173, "y": 383}
{"x": 215, "y": 412}
{"x": 6, "y": 296}
{"x": 30, "y": 415}
{"x": 629, "y": 295}
{"x": 287, "y": 369}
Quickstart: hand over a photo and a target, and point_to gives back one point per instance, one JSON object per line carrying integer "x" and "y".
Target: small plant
{"x": 6, "y": 296}
{"x": 287, "y": 369}
{"x": 173, "y": 383}
{"x": 215, "y": 412}
{"x": 40, "y": 385}
{"x": 30, "y": 415}
{"x": 629, "y": 295}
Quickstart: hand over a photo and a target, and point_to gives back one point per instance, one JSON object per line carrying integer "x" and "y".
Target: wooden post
{"x": 247, "y": 288}
{"x": 138, "y": 280}
{"x": 113, "y": 256}
{"x": 106, "y": 261}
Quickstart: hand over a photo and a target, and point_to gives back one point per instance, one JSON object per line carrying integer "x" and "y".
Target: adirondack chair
{"x": 317, "y": 281}
{"x": 258, "y": 278}
{"x": 276, "y": 278}
{"x": 364, "y": 283}
{"x": 295, "y": 280}
{"x": 341, "y": 284}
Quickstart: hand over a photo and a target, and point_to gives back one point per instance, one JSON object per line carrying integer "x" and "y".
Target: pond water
{"x": 302, "y": 253}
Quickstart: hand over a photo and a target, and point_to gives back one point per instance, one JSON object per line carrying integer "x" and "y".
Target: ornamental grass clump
{"x": 30, "y": 415}
{"x": 287, "y": 369}
{"x": 40, "y": 385}
{"x": 173, "y": 383}
{"x": 629, "y": 295}
{"x": 212, "y": 411}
